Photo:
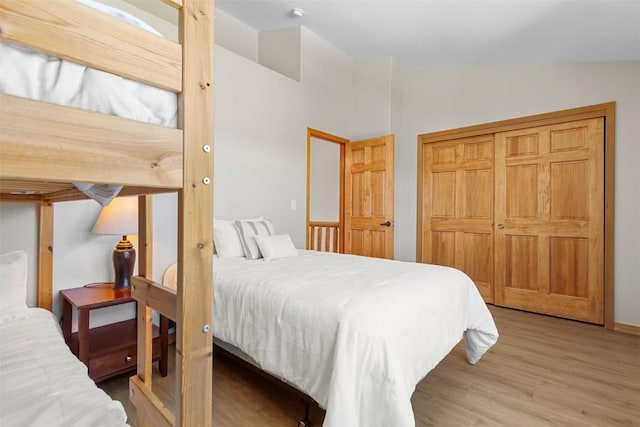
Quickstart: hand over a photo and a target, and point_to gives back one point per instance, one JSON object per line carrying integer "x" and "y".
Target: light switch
{"x": 294, "y": 205}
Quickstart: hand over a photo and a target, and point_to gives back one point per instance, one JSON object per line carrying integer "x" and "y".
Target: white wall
{"x": 236, "y": 36}
{"x": 19, "y": 231}
{"x": 372, "y": 86}
{"x": 326, "y": 77}
{"x": 324, "y": 176}
{"x": 261, "y": 131}
{"x": 260, "y": 144}
{"x": 444, "y": 97}
{"x": 280, "y": 50}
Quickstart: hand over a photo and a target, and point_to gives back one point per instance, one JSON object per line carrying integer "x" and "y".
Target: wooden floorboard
{"x": 543, "y": 371}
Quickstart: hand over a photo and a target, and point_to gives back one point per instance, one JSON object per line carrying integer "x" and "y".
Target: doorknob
{"x": 500, "y": 226}
{"x": 386, "y": 224}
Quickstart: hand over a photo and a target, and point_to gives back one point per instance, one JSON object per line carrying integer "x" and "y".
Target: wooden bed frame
{"x": 45, "y": 147}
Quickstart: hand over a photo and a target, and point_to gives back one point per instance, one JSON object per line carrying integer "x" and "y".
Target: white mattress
{"x": 43, "y": 384}
{"x": 355, "y": 333}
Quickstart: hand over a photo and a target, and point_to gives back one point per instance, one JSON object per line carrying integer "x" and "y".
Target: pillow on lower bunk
{"x": 13, "y": 285}
{"x": 248, "y": 230}
{"x": 274, "y": 247}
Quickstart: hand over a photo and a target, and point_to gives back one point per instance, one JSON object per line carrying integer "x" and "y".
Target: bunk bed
{"x": 45, "y": 147}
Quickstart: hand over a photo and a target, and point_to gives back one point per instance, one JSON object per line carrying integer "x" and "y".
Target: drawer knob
{"x": 127, "y": 359}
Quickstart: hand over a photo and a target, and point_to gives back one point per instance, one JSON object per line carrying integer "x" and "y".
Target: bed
{"x": 41, "y": 381}
{"x": 354, "y": 333}
{"x": 46, "y": 148}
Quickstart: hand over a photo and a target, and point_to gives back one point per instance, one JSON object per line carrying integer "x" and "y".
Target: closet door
{"x": 458, "y": 208}
{"x": 549, "y": 216}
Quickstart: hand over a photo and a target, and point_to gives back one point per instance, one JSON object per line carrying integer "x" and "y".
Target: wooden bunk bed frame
{"x": 45, "y": 147}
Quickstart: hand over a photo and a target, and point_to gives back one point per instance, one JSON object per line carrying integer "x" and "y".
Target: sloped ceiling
{"x": 460, "y": 31}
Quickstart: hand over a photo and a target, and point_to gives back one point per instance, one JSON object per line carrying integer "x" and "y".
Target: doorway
{"x": 350, "y": 194}
{"x": 325, "y": 191}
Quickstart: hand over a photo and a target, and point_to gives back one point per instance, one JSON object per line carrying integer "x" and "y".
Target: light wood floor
{"x": 543, "y": 371}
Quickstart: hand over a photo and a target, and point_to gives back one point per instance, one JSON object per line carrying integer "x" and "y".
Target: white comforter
{"x": 43, "y": 384}
{"x": 29, "y": 74}
{"x": 355, "y": 333}
{"x": 33, "y": 75}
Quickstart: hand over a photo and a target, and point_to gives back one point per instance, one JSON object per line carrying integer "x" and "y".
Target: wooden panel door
{"x": 549, "y": 215}
{"x": 458, "y": 208}
{"x": 368, "y": 228}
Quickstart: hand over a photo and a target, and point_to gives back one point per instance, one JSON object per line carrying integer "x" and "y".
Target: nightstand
{"x": 107, "y": 350}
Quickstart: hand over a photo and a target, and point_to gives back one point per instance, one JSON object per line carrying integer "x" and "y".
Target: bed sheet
{"x": 43, "y": 384}
{"x": 355, "y": 333}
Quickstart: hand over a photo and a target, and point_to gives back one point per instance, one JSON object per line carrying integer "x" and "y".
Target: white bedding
{"x": 43, "y": 384}
{"x": 356, "y": 334}
{"x": 33, "y": 75}
{"x": 29, "y": 74}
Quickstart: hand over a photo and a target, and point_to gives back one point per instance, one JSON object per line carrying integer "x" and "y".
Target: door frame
{"x": 606, "y": 110}
{"x": 318, "y": 134}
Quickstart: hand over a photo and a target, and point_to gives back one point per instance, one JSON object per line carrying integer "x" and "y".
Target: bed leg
{"x": 305, "y": 422}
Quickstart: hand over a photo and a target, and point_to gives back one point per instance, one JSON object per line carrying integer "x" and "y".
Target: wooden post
{"x": 45, "y": 256}
{"x": 194, "y": 337}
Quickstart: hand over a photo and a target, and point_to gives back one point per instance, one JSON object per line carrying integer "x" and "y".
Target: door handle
{"x": 386, "y": 224}
{"x": 500, "y": 226}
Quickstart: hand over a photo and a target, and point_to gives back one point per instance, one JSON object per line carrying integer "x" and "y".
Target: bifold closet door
{"x": 458, "y": 208}
{"x": 549, "y": 219}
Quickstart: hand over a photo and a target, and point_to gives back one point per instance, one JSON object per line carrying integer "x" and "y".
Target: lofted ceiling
{"x": 460, "y": 31}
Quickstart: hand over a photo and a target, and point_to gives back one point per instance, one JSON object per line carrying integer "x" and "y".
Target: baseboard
{"x": 627, "y": 329}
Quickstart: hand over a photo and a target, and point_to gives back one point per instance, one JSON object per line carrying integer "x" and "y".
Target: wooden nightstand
{"x": 111, "y": 349}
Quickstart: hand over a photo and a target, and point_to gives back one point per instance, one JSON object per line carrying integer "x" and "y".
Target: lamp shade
{"x": 118, "y": 217}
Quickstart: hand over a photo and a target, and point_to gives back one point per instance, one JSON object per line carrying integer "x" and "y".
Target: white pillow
{"x": 248, "y": 230}
{"x": 226, "y": 239}
{"x": 13, "y": 285}
{"x": 274, "y": 247}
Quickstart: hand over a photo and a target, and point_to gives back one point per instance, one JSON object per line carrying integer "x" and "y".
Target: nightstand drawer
{"x": 113, "y": 349}
{"x": 109, "y": 364}
{"x": 118, "y": 361}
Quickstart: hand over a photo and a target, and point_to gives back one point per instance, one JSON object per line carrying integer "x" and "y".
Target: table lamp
{"x": 120, "y": 217}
